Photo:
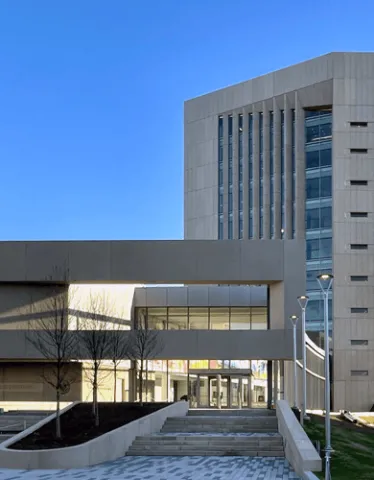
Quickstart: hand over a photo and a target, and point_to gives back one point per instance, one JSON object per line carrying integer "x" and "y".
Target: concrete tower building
{"x": 291, "y": 155}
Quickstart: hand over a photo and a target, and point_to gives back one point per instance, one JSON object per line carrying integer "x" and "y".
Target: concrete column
{"x": 277, "y": 170}
{"x": 266, "y": 172}
{"x": 287, "y": 168}
{"x": 245, "y": 176}
{"x": 219, "y": 388}
{"x": 225, "y": 176}
{"x": 276, "y": 381}
{"x": 256, "y": 175}
{"x": 240, "y": 400}
{"x": 235, "y": 176}
{"x": 198, "y": 401}
{"x": 300, "y": 168}
{"x": 249, "y": 392}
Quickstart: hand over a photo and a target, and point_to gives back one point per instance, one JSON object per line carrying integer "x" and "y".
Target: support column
{"x": 240, "y": 400}
{"x": 198, "y": 401}
{"x": 249, "y": 392}
{"x": 256, "y": 176}
{"x": 270, "y": 384}
{"x": 277, "y": 170}
{"x": 219, "y": 388}
{"x": 276, "y": 381}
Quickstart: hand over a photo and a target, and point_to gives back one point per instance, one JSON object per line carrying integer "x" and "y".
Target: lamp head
{"x": 303, "y": 301}
{"x": 294, "y": 319}
{"x": 325, "y": 281}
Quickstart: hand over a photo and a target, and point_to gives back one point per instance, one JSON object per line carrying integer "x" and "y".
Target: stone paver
{"x": 168, "y": 468}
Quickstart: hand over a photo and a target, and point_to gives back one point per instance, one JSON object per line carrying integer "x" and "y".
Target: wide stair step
{"x": 244, "y": 412}
{"x": 207, "y": 445}
{"x": 211, "y": 424}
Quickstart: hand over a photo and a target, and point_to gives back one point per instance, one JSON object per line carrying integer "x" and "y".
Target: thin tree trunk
{"x": 95, "y": 405}
{"x": 58, "y": 420}
{"x": 115, "y": 382}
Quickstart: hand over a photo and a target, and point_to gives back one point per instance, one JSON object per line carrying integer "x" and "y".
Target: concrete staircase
{"x": 216, "y": 433}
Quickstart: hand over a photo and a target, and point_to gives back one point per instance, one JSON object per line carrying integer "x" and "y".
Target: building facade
{"x": 290, "y": 155}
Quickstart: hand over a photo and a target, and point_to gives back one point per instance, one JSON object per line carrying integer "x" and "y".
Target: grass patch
{"x": 353, "y": 452}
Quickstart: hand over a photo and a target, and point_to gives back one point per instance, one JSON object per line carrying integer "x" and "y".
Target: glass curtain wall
{"x": 318, "y": 214}
{"x": 271, "y": 169}
{"x": 261, "y": 173}
{"x": 202, "y": 318}
{"x": 283, "y": 180}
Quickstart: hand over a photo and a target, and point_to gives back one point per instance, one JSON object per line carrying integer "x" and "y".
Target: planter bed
{"x": 77, "y": 425}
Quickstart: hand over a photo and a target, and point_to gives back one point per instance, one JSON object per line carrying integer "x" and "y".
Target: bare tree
{"x": 119, "y": 350}
{"x": 50, "y": 333}
{"x": 145, "y": 344}
{"x": 94, "y": 335}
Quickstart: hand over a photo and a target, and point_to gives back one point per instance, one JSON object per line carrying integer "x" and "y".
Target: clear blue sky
{"x": 92, "y": 92}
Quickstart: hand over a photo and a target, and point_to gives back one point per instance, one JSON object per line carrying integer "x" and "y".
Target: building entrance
{"x": 223, "y": 391}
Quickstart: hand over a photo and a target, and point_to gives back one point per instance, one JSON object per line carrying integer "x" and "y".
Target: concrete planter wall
{"x": 299, "y": 450}
{"x": 109, "y": 446}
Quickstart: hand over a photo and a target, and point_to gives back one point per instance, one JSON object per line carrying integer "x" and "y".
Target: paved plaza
{"x": 168, "y": 468}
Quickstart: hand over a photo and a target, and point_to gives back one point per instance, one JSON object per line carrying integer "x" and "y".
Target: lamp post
{"x": 303, "y": 302}
{"x": 294, "y": 320}
{"x": 325, "y": 282}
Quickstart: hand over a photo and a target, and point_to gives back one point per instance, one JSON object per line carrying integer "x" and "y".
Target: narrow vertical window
{"x": 250, "y": 175}
{"x": 261, "y": 177}
{"x": 220, "y": 178}
{"x": 230, "y": 179}
{"x": 282, "y": 172}
{"x": 293, "y": 174}
{"x": 271, "y": 168}
{"x": 240, "y": 175}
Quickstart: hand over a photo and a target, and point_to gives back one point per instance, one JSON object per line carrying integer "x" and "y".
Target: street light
{"x": 303, "y": 302}
{"x": 294, "y": 319}
{"x": 325, "y": 282}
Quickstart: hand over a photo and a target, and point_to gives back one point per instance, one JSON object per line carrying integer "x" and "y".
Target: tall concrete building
{"x": 291, "y": 155}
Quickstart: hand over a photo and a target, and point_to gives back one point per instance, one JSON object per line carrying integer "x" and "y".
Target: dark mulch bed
{"x": 77, "y": 424}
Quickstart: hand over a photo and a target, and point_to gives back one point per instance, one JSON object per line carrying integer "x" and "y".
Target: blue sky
{"x": 92, "y": 92}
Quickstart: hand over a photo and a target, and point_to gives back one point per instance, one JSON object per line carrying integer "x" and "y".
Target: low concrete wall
{"x": 107, "y": 447}
{"x": 299, "y": 450}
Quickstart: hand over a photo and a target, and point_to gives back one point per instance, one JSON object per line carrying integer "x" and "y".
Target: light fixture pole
{"x": 303, "y": 302}
{"x": 325, "y": 282}
{"x": 294, "y": 320}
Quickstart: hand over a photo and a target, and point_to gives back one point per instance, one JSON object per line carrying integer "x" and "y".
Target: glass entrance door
{"x": 219, "y": 391}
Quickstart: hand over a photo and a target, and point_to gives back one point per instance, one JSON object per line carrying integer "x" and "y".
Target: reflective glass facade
{"x": 318, "y": 204}
{"x": 203, "y": 318}
{"x": 261, "y": 174}
{"x": 271, "y": 171}
{"x": 283, "y": 180}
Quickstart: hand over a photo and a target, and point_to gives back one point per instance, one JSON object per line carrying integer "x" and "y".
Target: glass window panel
{"x": 199, "y": 364}
{"x": 326, "y": 217}
{"x": 312, "y": 249}
{"x": 326, "y": 157}
{"x": 312, "y": 218}
{"x": 325, "y": 248}
{"x": 178, "y": 318}
{"x": 157, "y": 318}
{"x": 325, "y": 131}
{"x": 312, "y": 133}
{"x": 312, "y": 159}
{"x": 199, "y": 318}
{"x": 141, "y": 317}
{"x": 178, "y": 366}
{"x": 326, "y": 186}
{"x": 220, "y": 318}
{"x": 240, "y": 318}
{"x": 259, "y": 318}
{"x": 312, "y": 188}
